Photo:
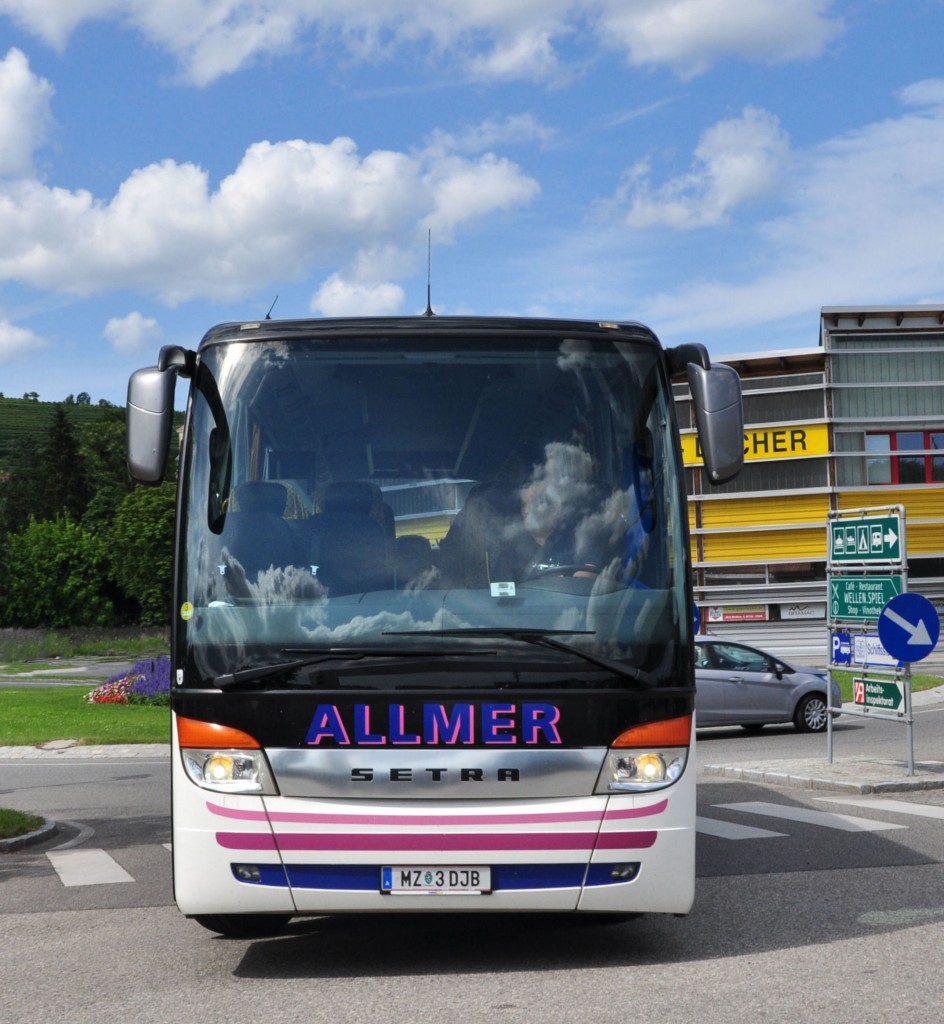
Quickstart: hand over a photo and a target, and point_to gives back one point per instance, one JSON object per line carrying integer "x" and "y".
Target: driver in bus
{"x": 559, "y": 498}
{"x": 573, "y": 527}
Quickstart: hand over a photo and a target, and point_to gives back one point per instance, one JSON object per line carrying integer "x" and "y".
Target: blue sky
{"x": 719, "y": 170}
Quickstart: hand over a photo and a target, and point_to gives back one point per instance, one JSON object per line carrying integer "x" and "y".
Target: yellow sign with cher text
{"x": 764, "y": 443}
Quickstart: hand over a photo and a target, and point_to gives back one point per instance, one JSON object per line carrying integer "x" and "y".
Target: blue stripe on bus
{"x": 366, "y": 877}
{"x": 268, "y": 874}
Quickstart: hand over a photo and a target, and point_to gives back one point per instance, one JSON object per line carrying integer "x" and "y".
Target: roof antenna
{"x": 268, "y": 315}
{"x": 429, "y": 248}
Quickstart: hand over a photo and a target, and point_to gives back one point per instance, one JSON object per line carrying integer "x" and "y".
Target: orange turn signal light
{"x": 210, "y": 735}
{"x": 673, "y": 732}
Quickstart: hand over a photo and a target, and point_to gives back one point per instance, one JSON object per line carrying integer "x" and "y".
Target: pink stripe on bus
{"x": 536, "y": 818}
{"x": 437, "y": 843}
{"x": 246, "y": 840}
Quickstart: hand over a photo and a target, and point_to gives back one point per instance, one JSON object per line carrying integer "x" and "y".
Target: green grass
{"x": 918, "y": 682}
{"x": 19, "y": 648}
{"x": 16, "y": 823}
{"x": 29, "y": 716}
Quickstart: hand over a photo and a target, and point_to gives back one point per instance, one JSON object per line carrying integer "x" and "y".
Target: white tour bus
{"x": 432, "y": 638}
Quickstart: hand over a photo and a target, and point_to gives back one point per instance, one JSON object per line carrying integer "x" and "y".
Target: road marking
{"x": 825, "y": 819}
{"x": 884, "y": 804}
{"x": 729, "y": 830}
{"x": 87, "y": 867}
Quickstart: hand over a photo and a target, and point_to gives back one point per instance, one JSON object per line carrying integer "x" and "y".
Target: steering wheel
{"x": 539, "y": 572}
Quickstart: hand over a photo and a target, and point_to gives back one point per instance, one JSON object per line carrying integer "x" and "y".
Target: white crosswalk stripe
{"x": 808, "y": 816}
{"x": 885, "y": 804}
{"x": 87, "y": 867}
{"x": 729, "y": 830}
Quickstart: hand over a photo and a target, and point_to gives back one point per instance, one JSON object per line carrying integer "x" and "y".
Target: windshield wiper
{"x": 278, "y": 669}
{"x": 543, "y": 638}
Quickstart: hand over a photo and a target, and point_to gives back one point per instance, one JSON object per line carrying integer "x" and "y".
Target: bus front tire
{"x": 244, "y": 926}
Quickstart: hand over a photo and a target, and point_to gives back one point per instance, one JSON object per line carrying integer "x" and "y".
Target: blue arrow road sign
{"x": 909, "y": 627}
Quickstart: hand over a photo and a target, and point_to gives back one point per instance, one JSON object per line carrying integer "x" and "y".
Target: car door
{"x": 754, "y": 690}
{"x": 709, "y": 687}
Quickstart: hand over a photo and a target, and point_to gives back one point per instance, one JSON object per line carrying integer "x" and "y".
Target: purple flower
{"x": 147, "y": 682}
{"x": 153, "y": 679}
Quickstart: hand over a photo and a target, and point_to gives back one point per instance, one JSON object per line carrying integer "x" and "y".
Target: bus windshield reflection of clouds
{"x": 385, "y": 495}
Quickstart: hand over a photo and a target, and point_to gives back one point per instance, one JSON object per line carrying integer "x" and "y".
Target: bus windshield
{"x": 438, "y": 508}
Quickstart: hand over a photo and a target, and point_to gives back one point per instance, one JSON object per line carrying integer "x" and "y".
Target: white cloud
{"x": 864, "y": 225}
{"x": 17, "y": 342}
{"x": 491, "y": 39}
{"x": 529, "y": 55}
{"x": 340, "y": 297}
{"x": 363, "y": 287}
{"x": 736, "y": 161}
{"x": 929, "y": 93}
{"x": 286, "y": 208}
{"x": 133, "y": 332}
{"x": 515, "y": 129}
{"x": 24, "y": 114}
{"x": 691, "y": 35}
{"x": 464, "y": 191}
{"x": 54, "y": 21}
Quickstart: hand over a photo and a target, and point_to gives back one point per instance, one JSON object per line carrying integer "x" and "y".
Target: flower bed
{"x": 147, "y": 682}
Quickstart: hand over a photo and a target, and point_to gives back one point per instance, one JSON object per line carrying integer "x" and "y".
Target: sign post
{"x": 861, "y": 598}
{"x": 867, "y": 574}
{"x": 867, "y": 539}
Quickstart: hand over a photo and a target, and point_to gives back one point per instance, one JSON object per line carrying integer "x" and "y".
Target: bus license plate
{"x": 436, "y": 881}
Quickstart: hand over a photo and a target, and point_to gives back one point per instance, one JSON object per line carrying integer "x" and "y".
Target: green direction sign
{"x": 861, "y": 597}
{"x": 869, "y": 539}
{"x": 883, "y": 694}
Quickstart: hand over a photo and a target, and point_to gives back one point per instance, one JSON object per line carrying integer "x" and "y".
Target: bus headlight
{"x": 229, "y": 771}
{"x": 640, "y": 771}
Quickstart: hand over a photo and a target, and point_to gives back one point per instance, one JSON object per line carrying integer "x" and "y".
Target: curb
{"x": 856, "y": 777}
{"x": 45, "y": 831}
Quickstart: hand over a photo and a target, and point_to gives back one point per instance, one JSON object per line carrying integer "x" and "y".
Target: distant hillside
{"x": 21, "y": 418}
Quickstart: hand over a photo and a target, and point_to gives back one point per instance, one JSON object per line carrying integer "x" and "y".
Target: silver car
{"x": 741, "y": 685}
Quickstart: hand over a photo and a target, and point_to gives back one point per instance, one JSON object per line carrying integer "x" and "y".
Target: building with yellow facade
{"x": 855, "y": 423}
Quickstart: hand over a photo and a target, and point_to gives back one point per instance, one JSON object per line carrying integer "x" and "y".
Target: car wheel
{"x": 244, "y": 926}
{"x": 811, "y": 713}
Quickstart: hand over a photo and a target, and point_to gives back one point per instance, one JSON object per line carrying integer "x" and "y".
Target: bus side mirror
{"x": 150, "y": 419}
{"x": 719, "y": 416}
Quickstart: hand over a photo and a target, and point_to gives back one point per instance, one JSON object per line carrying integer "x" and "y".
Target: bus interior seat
{"x": 255, "y": 533}
{"x": 347, "y": 540}
{"x": 479, "y": 548}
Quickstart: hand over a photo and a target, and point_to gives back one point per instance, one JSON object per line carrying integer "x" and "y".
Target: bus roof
{"x": 268, "y": 329}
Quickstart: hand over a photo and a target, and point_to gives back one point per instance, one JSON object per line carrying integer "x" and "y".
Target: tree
{"x": 26, "y": 491}
{"x": 62, "y": 464}
{"x": 54, "y": 575}
{"x": 141, "y": 543}
{"x": 102, "y": 449}
{"x": 47, "y": 478}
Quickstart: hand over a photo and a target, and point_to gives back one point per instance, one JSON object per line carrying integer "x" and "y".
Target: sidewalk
{"x": 71, "y": 750}
{"x": 844, "y": 774}
{"x": 858, "y": 774}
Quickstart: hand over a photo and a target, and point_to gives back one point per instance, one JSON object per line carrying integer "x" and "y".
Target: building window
{"x": 878, "y": 460}
{"x": 905, "y": 457}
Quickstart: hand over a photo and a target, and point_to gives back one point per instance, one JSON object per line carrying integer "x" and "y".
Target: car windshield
{"x": 442, "y": 489}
